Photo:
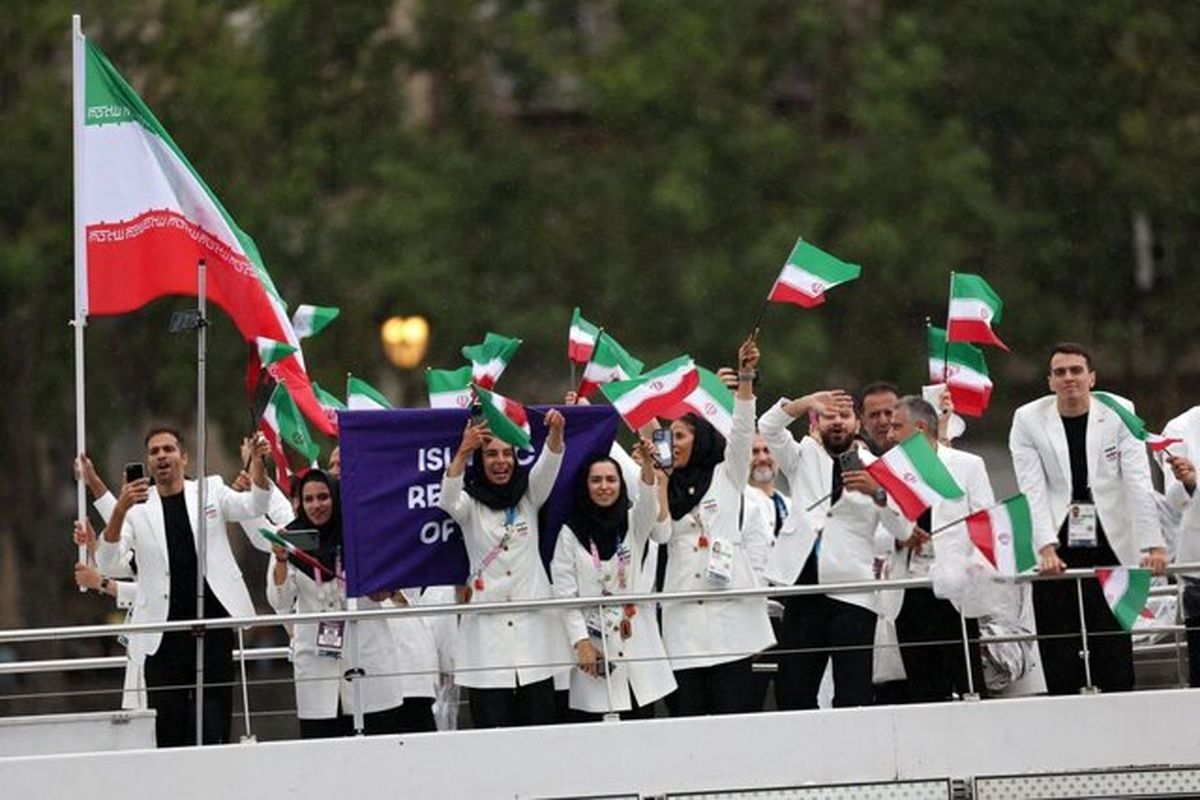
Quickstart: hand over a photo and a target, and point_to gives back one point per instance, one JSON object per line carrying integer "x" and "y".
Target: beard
{"x": 762, "y": 474}
{"x": 837, "y": 443}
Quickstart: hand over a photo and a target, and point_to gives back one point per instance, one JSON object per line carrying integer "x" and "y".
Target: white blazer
{"x": 144, "y": 533}
{"x": 1118, "y": 473}
{"x": 853, "y": 530}
{"x": 416, "y": 647}
{"x": 320, "y": 680}
{"x": 1186, "y": 427}
{"x": 766, "y": 563}
{"x": 639, "y": 662}
{"x": 704, "y": 633}
{"x": 506, "y": 650}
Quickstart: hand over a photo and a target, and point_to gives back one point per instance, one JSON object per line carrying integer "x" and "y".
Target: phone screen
{"x": 477, "y": 417}
{"x": 134, "y": 471}
{"x": 664, "y": 455}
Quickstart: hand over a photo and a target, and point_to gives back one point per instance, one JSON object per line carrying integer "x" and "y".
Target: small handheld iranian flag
{"x": 362, "y": 396}
{"x": 609, "y": 362}
{"x": 489, "y": 359}
{"x": 271, "y": 351}
{"x": 506, "y": 418}
{"x": 449, "y": 388}
{"x": 914, "y": 476}
{"x": 807, "y": 274}
{"x": 1004, "y": 535}
{"x": 1126, "y": 590}
{"x": 281, "y": 421}
{"x": 963, "y": 369}
{"x": 582, "y": 338}
{"x": 328, "y": 401}
{"x": 311, "y": 320}
{"x": 1135, "y": 424}
{"x": 295, "y": 552}
{"x": 974, "y": 308}
{"x": 641, "y": 399}
{"x": 711, "y": 400}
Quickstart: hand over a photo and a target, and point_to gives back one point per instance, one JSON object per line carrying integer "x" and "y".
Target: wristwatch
{"x": 103, "y": 584}
{"x": 879, "y": 496}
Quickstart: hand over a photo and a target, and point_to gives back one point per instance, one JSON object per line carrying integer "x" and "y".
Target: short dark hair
{"x": 879, "y": 387}
{"x": 1073, "y": 349}
{"x": 920, "y": 410}
{"x": 157, "y": 429}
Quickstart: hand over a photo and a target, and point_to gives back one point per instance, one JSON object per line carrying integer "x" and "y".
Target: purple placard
{"x": 392, "y": 467}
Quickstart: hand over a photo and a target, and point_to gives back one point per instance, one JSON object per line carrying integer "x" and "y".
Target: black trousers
{"x": 635, "y": 712}
{"x": 532, "y": 704}
{"x": 1191, "y": 618}
{"x": 389, "y": 720}
{"x": 762, "y": 680}
{"x": 171, "y": 688}
{"x": 416, "y": 715}
{"x": 815, "y": 629}
{"x": 930, "y": 634}
{"x": 721, "y": 689}
{"x": 1056, "y": 609}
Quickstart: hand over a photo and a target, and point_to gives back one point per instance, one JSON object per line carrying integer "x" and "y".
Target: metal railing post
{"x": 248, "y": 735}
{"x": 612, "y": 715}
{"x": 1088, "y": 688}
{"x": 966, "y": 642}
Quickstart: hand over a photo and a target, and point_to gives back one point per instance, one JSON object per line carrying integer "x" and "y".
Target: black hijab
{"x": 688, "y": 484}
{"x": 498, "y": 498}
{"x": 329, "y": 534}
{"x": 593, "y": 524}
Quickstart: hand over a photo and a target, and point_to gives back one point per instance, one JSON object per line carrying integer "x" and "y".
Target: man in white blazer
{"x": 831, "y": 536}
{"x": 937, "y": 671}
{"x": 158, "y": 527}
{"x": 1179, "y": 485}
{"x": 1087, "y": 479}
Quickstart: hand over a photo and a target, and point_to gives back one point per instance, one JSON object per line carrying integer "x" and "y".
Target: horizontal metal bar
{"x": 850, "y": 587}
{"x": 117, "y": 662}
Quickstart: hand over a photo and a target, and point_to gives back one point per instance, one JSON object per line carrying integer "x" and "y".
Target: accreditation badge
{"x": 331, "y": 637}
{"x": 720, "y": 561}
{"x": 1081, "y": 525}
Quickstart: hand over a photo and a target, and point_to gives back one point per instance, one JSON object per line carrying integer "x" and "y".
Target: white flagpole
{"x": 80, "y": 320}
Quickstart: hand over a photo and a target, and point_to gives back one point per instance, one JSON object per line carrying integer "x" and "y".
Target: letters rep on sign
{"x": 392, "y": 467}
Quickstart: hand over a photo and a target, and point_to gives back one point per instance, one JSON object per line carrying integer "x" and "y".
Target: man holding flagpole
{"x": 157, "y": 527}
{"x": 1087, "y": 479}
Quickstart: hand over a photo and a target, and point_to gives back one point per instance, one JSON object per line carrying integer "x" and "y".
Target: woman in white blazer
{"x": 322, "y": 653}
{"x": 507, "y": 660}
{"x": 600, "y": 552}
{"x": 711, "y": 642}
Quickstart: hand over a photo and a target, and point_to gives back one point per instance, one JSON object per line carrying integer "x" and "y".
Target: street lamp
{"x": 405, "y": 340}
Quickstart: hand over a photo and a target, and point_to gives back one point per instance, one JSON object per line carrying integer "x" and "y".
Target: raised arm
{"x": 741, "y": 437}
{"x": 453, "y": 500}
{"x": 549, "y": 462}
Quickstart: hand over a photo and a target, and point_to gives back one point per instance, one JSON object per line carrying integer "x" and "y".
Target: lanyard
{"x": 622, "y": 564}
{"x": 703, "y": 541}
{"x": 510, "y": 516}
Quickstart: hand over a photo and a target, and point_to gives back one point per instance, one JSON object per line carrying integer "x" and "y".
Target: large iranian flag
{"x": 148, "y": 219}
{"x": 490, "y": 358}
{"x": 609, "y": 362}
{"x": 1004, "y": 535}
{"x": 913, "y": 475}
{"x": 641, "y": 399}
{"x": 1126, "y": 590}
{"x": 711, "y": 400}
{"x": 808, "y": 273}
{"x": 974, "y": 308}
{"x": 962, "y": 368}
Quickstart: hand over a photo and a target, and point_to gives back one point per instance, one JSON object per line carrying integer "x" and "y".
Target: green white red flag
{"x": 913, "y": 475}
{"x": 711, "y": 400}
{"x": 311, "y": 320}
{"x": 653, "y": 394}
{"x": 295, "y": 552}
{"x": 974, "y": 309}
{"x": 271, "y": 351}
{"x": 449, "y": 388}
{"x": 362, "y": 396}
{"x": 490, "y": 358}
{"x": 283, "y": 423}
{"x": 1126, "y": 589}
{"x": 147, "y": 219}
{"x": 329, "y": 402}
{"x": 808, "y": 273}
{"x": 962, "y": 368}
{"x": 609, "y": 362}
{"x": 506, "y": 419}
{"x": 1135, "y": 424}
{"x": 581, "y": 339}
{"x": 1004, "y": 535}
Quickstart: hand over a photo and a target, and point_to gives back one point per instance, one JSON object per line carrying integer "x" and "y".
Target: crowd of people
{"x": 784, "y": 499}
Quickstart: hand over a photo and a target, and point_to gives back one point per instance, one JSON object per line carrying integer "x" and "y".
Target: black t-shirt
{"x": 181, "y": 558}
{"x": 1081, "y": 492}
